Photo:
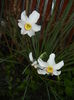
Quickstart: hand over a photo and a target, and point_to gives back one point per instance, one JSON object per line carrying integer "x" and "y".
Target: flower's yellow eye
{"x": 49, "y": 69}
{"x": 28, "y": 26}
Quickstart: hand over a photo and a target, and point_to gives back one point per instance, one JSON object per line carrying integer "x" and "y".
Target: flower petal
{"x": 23, "y": 16}
{"x": 58, "y": 65}
{"x": 43, "y": 72}
{"x": 36, "y": 27}
{"x": 42, "y": 63}
{"x": 34, "y": 63}
{"x": 56, "y": 73}
{"x": 31, "y": 33}
{"x": 31, "y": 57}
{"x": 20, "y": 25}
{"x": 35, "y": 66}
{"x": 34, "y": 16}
{"x": 23, "y": 32}
{"x": 51, "y": 59}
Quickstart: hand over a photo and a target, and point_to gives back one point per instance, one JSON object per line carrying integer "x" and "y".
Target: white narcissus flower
{"x": 34, "y": 62}
{"x": 50, "y": 67}
{"x": 28, "y": 24}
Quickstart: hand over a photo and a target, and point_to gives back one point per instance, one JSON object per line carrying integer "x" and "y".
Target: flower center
{"x": 28, "y": 26}
{"x": 49, "y": 69}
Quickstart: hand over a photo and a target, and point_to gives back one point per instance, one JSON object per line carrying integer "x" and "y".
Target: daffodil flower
{"x": 50, "y": 67}
{"x": 28, "y": 24}
{"x": 34, "y": 62}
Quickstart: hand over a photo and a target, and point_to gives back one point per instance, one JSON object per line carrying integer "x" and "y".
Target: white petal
{"x": 23, "y": 32}
{"x": 34, "y": 16}
{"x": 36, "y": 27}
{"x": 31, "y": 33}
{"x": 36, "y": 66}
{"x": 23, "y": 16}
{"x": 34, "y": 63}
{"x": 20, "y": 21}
{"x": 42, "y": 63}
{"x": 43, "y": 72}
{"x": 56, "y": 73}
{"x": 51, "y": 59}
{"x": 58, "y": 65}
{"x": 31, "y": 57}
{"x": 20, "y": 25}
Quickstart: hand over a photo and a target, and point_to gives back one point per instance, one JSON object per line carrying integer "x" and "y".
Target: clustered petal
{"x": 34, "y": 62}
{"x": 49, "y": 67}
{"x": 28, "y": 24}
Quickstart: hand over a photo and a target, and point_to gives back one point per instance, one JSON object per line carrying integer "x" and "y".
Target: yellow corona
{"x": 49, "y": 69}
{"x": 28, "y": 26}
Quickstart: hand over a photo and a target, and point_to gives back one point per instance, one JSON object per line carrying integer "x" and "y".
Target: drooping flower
{"x": 50, "y": 67}
{"x": 34, "y": 62}
{"x": 28, "y": 24}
